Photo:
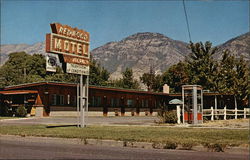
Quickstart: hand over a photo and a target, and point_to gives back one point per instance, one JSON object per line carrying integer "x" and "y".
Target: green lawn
{"x": 194, "y": 136}
{"x": 8, "y": 117}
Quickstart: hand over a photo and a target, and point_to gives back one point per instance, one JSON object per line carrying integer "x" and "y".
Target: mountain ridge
{"x": 140, "y": 51}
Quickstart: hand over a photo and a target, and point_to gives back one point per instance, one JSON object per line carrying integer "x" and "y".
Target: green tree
{"x": 201, "y": 64}
{"x": 225, "y": 73}
{"x": 14, "y": 70}
{"x": 241, "y": 86}
{"x": 24, "y": 68}
{"x": 98, "y": 75}
{"x": 152, "y": 81}
{"x": 127, "y": 80}
{"x": 158, "y": 83}
{"x": 233, "y": 76}
{"x": 148, "y": 79}
{"x": 176, "y": 76}
{"x": 60, "y": 76}
{"x": 36, "y": 65}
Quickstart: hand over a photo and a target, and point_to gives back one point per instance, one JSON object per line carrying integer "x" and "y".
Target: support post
{"x": 212, "y": 113}
{"x": 81, "y": 103}
{"x": 236, "y": 114}
{"x": 245, "y": 113}
{"x": 225, "y": 113}
{"x": 195, "y": 121}
{"x": 183, "y": 104}
{"x": 178, "y": 110}
{"x": 215, "y": 105}
{"x": 235, "y": 105}
{"x": 77, "y": 103}
{"x": 87, "y": 99}
{"x": 202, "y": 105}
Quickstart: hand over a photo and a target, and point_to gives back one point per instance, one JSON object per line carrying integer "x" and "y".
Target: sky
{"x": 27, "y": 21}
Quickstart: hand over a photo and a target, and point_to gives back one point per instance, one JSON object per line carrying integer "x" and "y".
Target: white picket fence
{"x": 226, "y": 112}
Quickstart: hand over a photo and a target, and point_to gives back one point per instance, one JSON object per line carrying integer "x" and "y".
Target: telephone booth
{"x": 192, "y": 106}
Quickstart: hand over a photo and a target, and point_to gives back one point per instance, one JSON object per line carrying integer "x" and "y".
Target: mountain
{"x": 140, "y": 52}
{"x": 238, "y": 46}
{"x": 38, "y": 48}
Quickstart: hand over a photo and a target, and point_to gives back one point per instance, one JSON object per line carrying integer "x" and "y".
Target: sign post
{"x": 72, "y": 45}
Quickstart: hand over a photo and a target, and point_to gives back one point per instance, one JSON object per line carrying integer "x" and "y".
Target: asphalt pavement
{"x": 17, "y": 148}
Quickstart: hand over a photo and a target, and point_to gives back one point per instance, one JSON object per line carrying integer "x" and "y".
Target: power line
{"x": 185, "y": 11}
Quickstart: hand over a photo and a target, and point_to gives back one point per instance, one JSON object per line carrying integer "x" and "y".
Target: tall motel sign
{"x": 70, "y": 46}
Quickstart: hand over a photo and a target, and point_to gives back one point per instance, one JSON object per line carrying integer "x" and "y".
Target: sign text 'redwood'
{"x": 68, "y": 31}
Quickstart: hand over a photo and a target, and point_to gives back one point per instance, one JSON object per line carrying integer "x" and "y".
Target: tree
{"x": 127, "y": 80}
{"x": 158, "y": 83}
{"x": 36, "y": 65}
{"x": 233, "y": 76}
{"x": 202, "y": 67}
{"x": 98, "y": 75}
{"x": 152, "y": 81}
{"x": 225, "y": 73}
{"x": 14, "y": 70}
{"x": 241, "y": 87}
{"x": 148, "y": 79}
{"x": 176, "y": 76}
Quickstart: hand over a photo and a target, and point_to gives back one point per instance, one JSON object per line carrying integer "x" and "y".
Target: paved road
{"x": 143, "y": 120}
{"x": 19, "y": 149}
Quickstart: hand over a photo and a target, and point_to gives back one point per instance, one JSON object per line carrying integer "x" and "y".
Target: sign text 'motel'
{"x": 72, "y": 43}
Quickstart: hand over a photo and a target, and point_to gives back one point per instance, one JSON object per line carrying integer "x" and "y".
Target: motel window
{"x": 114, "y": 102}
{"x": 57, "y": 99}
{"x": 53, "y": 99}
{"x": 74, "y": 100}
{"x": 145, "y": 103}
{"x": 61, "y": 101}
{"x": 130, "y": 103}
{"x": 92, "y": 101}
{"x": 157, "y": 104}
{"x": 96, "y": 101}
{"x": 117, "y": 102}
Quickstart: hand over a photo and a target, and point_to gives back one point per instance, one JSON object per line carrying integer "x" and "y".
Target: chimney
{"x": 165, "y": 88}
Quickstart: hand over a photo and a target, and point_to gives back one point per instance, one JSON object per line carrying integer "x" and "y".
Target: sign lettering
{"x": 75, "y": 60}
{"x": 63, "y": 45}
{"x": 77, "y": 69}
{"x": 68, "y": 31}
{"x": 72, "y": 43}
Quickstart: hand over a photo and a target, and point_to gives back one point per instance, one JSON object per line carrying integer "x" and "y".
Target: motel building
{"x": 57, "y": 99}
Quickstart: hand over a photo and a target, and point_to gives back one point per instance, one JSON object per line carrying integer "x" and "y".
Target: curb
{"x": 114, "y": 143}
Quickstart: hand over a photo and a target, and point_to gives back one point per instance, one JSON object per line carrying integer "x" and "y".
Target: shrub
{"x": 170, "y": 145}
{"x": 168, "y": 116}
{"x": 205, "y": 119}
{"x": 21, "y": 111}
{"x": 215, "y": 147}
{"x": 4, "y": 110}
{"x": 187, "y": 146}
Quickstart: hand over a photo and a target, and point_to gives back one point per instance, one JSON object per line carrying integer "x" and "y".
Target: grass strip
{"x": 192, "y": 136}
{"x": 9, "y": 117}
